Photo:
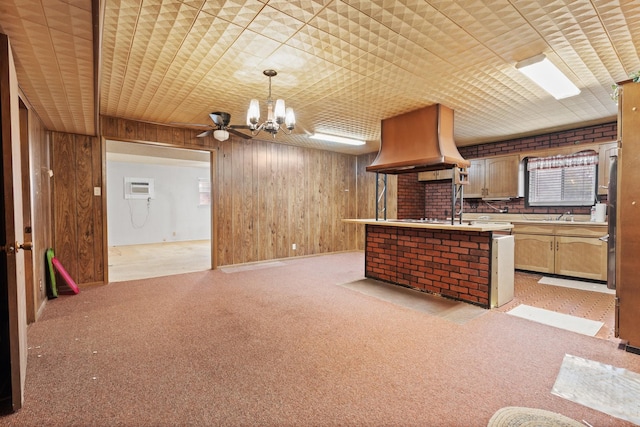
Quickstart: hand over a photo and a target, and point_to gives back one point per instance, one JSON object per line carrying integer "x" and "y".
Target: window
{"x": 562, "y": 180}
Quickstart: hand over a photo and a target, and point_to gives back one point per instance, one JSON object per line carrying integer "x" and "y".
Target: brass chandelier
{"x": 277, "y": 114}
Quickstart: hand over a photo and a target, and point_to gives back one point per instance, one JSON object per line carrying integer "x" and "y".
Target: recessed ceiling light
{"x": 546, "y": 75}
{"x": 339, "y": 139}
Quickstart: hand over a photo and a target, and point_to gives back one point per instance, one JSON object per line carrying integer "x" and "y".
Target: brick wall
{"x": 452, "y": 263}
{"x": 437, "y": 194}
{"x": 411, "y": 202}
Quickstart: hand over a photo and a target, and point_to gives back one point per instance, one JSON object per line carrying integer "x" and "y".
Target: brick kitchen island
{"x": 450, "y": 260}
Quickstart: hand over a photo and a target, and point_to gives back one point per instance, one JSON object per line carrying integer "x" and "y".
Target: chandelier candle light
{"x": 276, "y": 117}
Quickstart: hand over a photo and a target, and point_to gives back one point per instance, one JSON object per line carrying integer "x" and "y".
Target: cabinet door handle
{"x": 550, "y": 246}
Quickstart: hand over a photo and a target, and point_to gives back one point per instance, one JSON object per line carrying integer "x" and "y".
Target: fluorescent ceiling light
{"x": 548, "y": 76}
{"x": 339, "y": 139}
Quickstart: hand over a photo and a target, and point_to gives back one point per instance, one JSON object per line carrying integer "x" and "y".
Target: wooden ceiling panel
{"x": 343, "y": 65}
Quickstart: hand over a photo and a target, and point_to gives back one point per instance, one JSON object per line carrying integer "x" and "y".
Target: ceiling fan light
{"x": 290, "y": 118}
{"x": 549, "y": 77}
{"x": 338, "y": 139}
{"x": 221, "y": 134}
{"x": 253, "y": 114}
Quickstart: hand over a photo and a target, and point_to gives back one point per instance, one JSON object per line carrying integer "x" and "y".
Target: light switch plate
{"x": 97, "y": 191}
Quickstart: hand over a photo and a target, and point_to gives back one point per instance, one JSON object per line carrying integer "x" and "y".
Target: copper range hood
{"x": 417, "y": 141}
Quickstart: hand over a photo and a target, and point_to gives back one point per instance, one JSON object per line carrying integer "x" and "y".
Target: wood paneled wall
{"x": 40, "y": 207}
{"x": 270, "y": 196}
{"x": 78, "y": 213}
{"x": 133, "y": 131}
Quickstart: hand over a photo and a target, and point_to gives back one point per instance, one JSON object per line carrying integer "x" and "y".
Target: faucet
{"x": 563, "y": 214}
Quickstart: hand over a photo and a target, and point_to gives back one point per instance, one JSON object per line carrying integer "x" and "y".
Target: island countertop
{"x": 465, "y": 226}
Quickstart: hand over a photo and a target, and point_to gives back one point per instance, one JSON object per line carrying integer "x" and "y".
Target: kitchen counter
{"x": 465, "y": 226}
{"x": 444, "y": 259}
{"x": 581, "y": 220}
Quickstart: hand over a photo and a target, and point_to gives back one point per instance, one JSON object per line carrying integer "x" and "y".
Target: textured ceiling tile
{"x": 65, "y": 17}
{"x": 342, "y": 64}
{"x": 302, "y": 10}
{"x": 325, "y": 46}
{"x": 13, "y": 12}
{"x": 275, "y": 24}
{"x": 346, "y": 23}
{"x": 206, "y": 43}
{"x": 240, "y": 12}
{"x": 621, "y": 22}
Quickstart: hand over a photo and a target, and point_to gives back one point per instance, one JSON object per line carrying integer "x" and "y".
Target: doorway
{"x": 158, "y": 210}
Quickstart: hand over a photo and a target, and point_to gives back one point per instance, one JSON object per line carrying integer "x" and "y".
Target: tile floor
{"x": 586, "y": 304}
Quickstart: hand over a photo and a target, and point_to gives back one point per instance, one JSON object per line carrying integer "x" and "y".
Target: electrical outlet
{"x": 294, "y": 246}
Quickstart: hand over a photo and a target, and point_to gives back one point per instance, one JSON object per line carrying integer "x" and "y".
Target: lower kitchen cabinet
{"x": 534, "y": 252}
{"x": 584, "y": 257}
{"x": 567, "y": 250}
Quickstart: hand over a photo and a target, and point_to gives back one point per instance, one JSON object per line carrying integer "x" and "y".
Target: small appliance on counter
{"x": 599, "y": 212}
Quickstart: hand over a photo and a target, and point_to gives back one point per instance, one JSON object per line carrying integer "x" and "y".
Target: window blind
{"x": 562, "y": 180}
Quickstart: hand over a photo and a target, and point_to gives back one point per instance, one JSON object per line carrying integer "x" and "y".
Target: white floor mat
{"x": 577, "y": 284}
{"x": 605, "y": 388}
{"x": 558, "y": 320}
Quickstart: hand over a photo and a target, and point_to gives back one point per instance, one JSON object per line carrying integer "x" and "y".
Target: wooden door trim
{"x": 103, "y": 196}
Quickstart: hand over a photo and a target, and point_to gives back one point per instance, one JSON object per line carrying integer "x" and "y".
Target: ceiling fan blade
{"x": 237, "y": 133}
{"x": 220, "y": 119}
{"x": 205, "y": 133}
{"x": 238, "y": 127}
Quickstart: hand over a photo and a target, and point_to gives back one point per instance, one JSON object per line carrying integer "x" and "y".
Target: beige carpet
{"x": 287, "y": 346}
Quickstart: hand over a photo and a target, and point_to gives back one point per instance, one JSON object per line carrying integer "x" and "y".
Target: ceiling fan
{"x": 222, "y": 128}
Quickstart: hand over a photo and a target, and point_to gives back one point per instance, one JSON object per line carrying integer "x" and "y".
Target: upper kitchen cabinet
{"x": 604, "y": 165}
{"x": 435, "y": 175}
{"x": 493, "y": 177}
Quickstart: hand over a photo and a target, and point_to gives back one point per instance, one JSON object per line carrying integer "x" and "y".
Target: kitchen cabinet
{"x": 570, "y": 250}
{"x": 435, "y": 175}
{"x": 604, "y": 165}
{"x": 493, "y": 177}
{"x": 534, "y": 252}
{"x": 628, "y": 215}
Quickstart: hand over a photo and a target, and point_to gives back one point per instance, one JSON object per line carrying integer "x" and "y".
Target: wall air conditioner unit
{"x": 138, "y": 188}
